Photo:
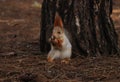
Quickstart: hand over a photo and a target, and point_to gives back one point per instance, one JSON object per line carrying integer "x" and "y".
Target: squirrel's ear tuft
{"x": 58, "y": 21}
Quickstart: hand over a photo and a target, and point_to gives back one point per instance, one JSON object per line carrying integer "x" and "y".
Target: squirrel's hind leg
{"x": 53, "y": 54}
{"x": 66, "y": 60}
{"x": 50, "y": 56}
{"x": 66, "y": 56}
{"x": 49, "y": 59}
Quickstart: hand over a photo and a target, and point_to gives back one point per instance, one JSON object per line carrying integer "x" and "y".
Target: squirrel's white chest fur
{"x": 64, "y": 52}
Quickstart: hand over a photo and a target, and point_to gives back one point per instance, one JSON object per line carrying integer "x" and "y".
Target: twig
{"x": 7, "y": 54}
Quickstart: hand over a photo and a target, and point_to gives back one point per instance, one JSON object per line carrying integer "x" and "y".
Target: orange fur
{"x": 65, "y": 60}
{"x": 58, "y": 21}
{"x": 60, "y": 43}
{"x": 49, "y": 59}
{"x": 57, "y": 43}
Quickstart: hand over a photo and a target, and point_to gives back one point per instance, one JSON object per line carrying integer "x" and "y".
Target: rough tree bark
{"x": 88, "y": 22}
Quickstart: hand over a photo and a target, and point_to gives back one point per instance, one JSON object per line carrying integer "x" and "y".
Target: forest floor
{"x": 20, "y": 59}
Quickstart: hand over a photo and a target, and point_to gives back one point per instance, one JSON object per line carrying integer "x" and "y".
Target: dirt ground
{"x": 20, "y": 59}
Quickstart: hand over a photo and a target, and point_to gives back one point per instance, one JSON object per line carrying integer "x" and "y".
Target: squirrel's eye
{"x": 59, "y": 32}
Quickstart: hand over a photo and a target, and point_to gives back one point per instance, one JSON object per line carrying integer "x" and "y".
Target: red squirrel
{"x": 60, "y": 45}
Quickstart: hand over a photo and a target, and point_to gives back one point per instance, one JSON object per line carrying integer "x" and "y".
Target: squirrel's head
{"x": 58, "y": 31}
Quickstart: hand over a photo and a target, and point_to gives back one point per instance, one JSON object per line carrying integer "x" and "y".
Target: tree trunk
{"x": 88, "y": 22}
